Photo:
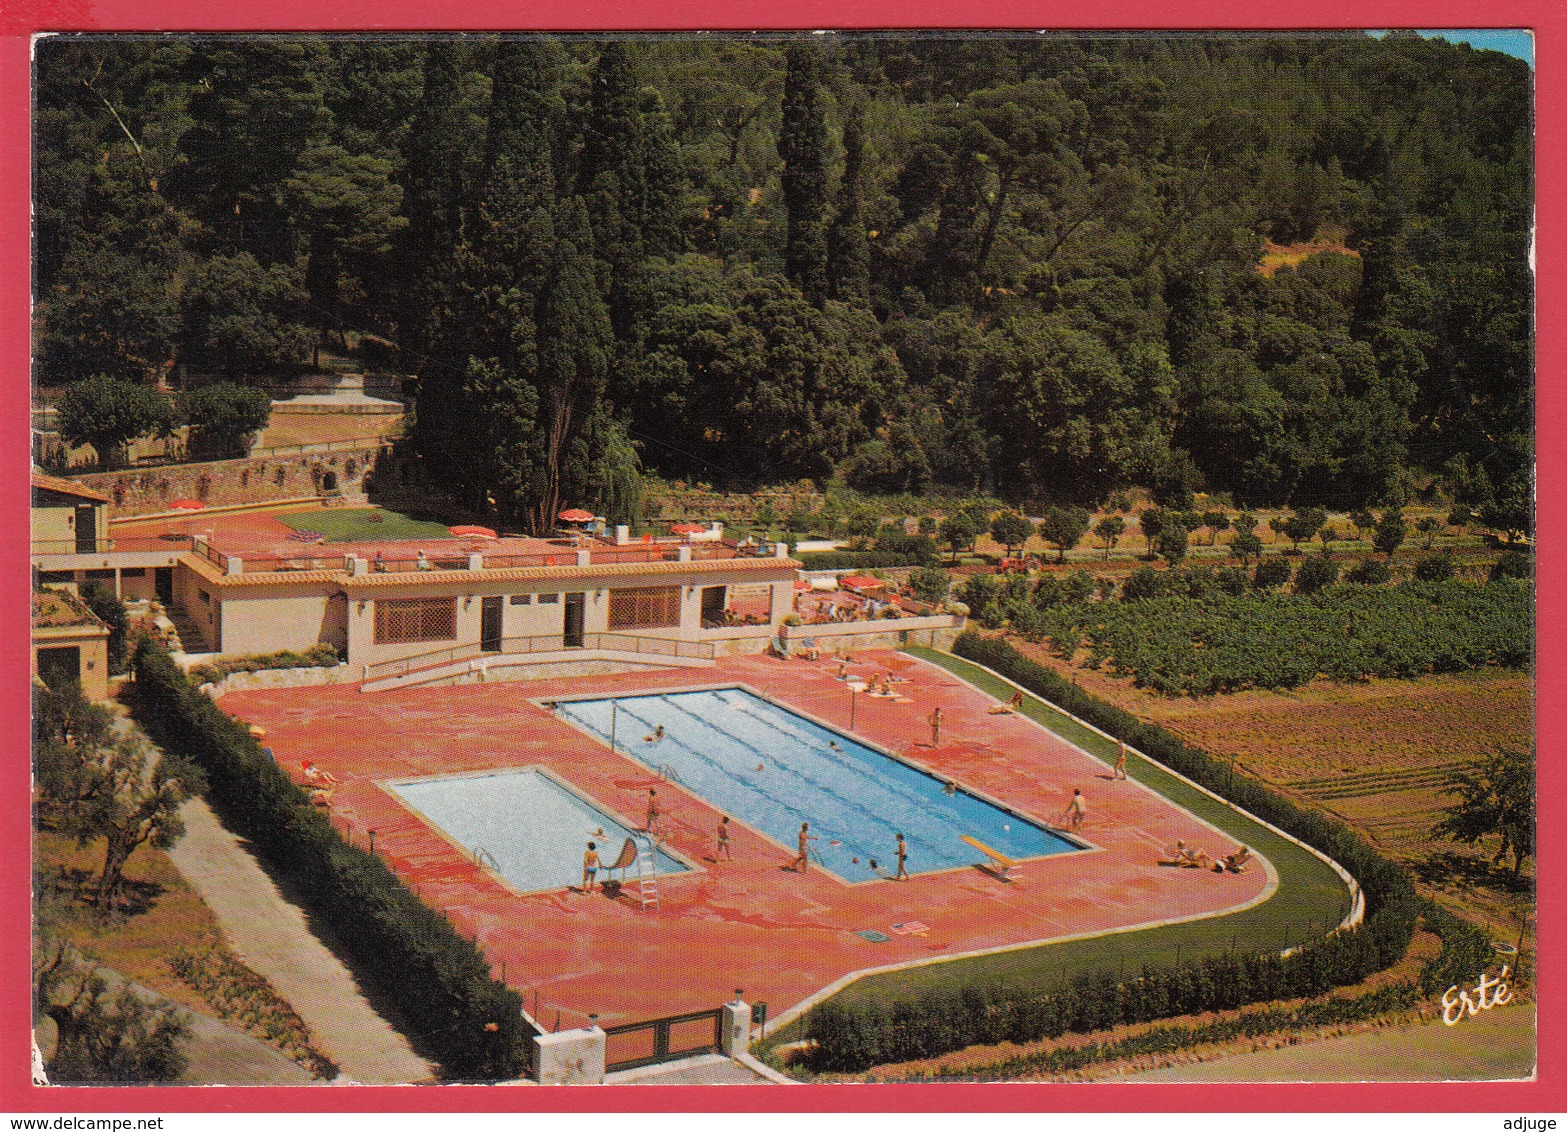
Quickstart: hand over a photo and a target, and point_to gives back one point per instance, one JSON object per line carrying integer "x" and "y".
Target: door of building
{"x": 163, "y": 585}
{"x": 713, "y": 604}
{"x": 86, "y": 529}
{"x": 575, "y": 613}
{"x": 490, "y": 625}
{"x": 60, "y": 666}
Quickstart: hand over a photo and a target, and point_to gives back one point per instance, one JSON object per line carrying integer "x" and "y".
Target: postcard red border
{"x": 19, "y": 21}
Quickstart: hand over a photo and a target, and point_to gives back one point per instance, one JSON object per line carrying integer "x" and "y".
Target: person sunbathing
{"x": 1009, "y": 707}
{"x": 1188, "y": 857}
{"x": 1234, "y": 863}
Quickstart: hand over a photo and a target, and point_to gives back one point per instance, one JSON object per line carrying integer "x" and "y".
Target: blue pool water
{"x": 534, "y": 828}
{"x": 856, "y": 798}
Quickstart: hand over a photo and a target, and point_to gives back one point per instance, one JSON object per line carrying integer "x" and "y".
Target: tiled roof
{"x": 217, "y": 577}
{"x": 565, "y": 573}
{"x": 67, "y": 487}
{"x": 210, "y": 572}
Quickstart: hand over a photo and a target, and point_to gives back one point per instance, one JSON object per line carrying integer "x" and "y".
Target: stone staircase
{"x": 191, "y": 640}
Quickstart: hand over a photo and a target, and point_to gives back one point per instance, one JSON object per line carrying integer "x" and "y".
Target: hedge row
{"x": 470, "y": 1023}
{"x": 1465, "y": 953}
{"x": 316, "y": 656}
{"x": 855, "y": 559}
{"x": 851, "y": 1037}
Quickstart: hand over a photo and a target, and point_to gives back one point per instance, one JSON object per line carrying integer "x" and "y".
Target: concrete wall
{"x": 220, "y": 482}
{"x": 188, "y": 588}
{"x": 934, "y": 632}
{"x": 268, "y": 619}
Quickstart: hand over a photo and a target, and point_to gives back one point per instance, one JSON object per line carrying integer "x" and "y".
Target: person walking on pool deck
{"x": 935, "y": 727}
{"x": 590, "y": 866}
{"x": 1120, "y": 760}
{"x": 652, "y": 809}
{"x": 903, "y": 858}
{"x": 1075, "y": 809}
{"x": 803, "y": 861}
{"x": 722, "y": 852}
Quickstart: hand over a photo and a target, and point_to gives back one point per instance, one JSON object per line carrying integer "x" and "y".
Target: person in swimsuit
{"x": 590, "y": 866}
{"x": 903, "y": 858}
{"x": 723, "y": 840}
{"x": 803, "y": 861}
{"x": 652, "y": 809}
{"x": 1075, "y": 809}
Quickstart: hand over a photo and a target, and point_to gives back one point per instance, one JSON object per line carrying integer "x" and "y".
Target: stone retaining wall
{"x": 222, "y": 482}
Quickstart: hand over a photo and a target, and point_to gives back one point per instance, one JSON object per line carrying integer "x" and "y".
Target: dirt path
{"x": 270, "y": 935}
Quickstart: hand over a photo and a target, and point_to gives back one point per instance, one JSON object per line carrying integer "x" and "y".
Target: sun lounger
{"x": 1000, "y": 863}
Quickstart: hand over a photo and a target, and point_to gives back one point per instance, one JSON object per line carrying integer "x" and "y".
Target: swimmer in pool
{"x": 658, "y": 733}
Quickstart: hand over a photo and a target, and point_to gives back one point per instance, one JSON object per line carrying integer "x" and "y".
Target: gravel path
{"x": 271, "y": 936}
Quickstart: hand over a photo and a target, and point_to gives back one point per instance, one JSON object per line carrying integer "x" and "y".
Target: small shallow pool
{"x": 773, "y": 769}
{"x": 534, "y": 827}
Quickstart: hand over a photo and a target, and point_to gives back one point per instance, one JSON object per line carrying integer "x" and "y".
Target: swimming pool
{"x": 533, "y": 827}
{"x": 773, "y": 769}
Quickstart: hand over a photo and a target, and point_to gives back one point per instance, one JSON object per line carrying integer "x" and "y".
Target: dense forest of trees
{"x": 1025, "y": 266}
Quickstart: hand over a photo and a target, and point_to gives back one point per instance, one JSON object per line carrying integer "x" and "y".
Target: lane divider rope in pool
{"x": 849, "y": 814}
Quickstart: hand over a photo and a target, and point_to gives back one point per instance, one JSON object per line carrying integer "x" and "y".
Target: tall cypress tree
{"x": 803, "y": 146}
{"x": 575, "y": 347}
{"x": 848, "y": 257}
{"x": 433, "y": 194}
{"x": 612, "y": 181}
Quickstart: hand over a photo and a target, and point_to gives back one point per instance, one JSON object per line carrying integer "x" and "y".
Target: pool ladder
{"x": 647, "y": 871}
{"x": 669, "y": 774}
{"x": 482, "y": 857}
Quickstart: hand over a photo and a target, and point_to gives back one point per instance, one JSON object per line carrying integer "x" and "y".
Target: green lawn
{"x": 364, "y": 524}
{"x": 1310, "y": 900}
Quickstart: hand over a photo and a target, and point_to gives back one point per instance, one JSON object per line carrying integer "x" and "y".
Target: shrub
{"x": 956, "y": 608}
{"x": 316, "y": 656}
{"x": 1436, "y": 567}
{"x": 852, "y": 1037}
{"x": 792, "y": 619}
{"x": 441, "y": 982}
{"x": 1315, "y": 574}
{"x": 1270, "y": 574}
{"x": 930, "y": 583}
{"x": 107, "y": 608}
{"x": 1370, "y": 572}
{"x": 1512, "y": 564}
{"x": 1144, "y": 582}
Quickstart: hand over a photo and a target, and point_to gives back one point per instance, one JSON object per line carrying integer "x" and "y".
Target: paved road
{"x": 271, "y": 936}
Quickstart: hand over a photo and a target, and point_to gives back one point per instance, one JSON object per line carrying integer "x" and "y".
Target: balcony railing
{"x": 541, "y": 643}
{"x": 148, "y": 545}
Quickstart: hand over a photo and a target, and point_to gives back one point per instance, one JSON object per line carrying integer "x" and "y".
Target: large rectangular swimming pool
{"x": 533, "y": 828}
{"x": 773, "y": 769}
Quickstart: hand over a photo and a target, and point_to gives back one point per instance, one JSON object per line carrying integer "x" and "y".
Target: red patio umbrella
{"x": 187, "y": 505}
{"x": 472, "y": 532}
{"x": 687, "y": 529}
{"x": 576, "y": 515}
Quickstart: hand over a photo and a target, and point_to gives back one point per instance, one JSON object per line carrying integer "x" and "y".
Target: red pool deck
{"x": 750, "y": 922}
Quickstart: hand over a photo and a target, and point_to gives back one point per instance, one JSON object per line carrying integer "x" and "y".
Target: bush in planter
{"x": 792, "y": 619}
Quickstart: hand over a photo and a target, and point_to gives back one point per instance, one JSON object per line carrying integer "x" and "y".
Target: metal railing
{"x": 358, "y": 444}
{"x": 537, "y": 643}
{"x": 137, "y": 545}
